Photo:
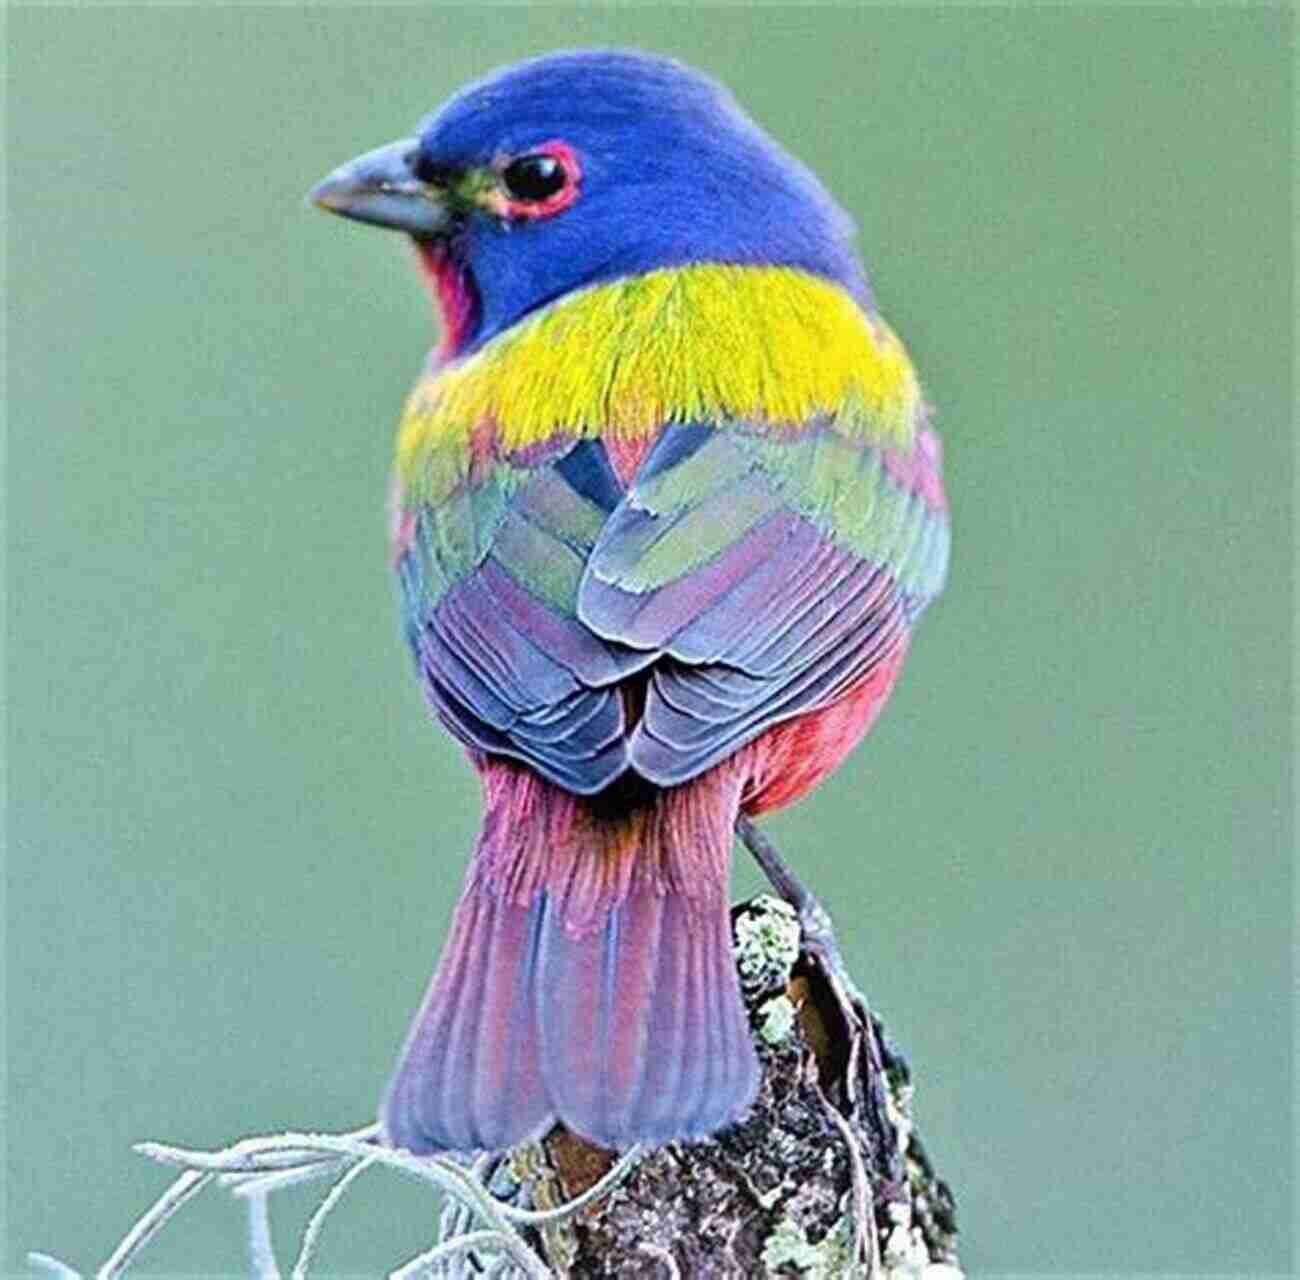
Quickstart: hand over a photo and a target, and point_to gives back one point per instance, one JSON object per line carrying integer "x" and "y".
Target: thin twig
{"x": 247, "y": 1184}
{"x": 456, "y": 1215}
{"x": 311, "y": 1236}
{"x": 288, "y": 1151}
{"x": 188, "y": 1185}
{"x": 866, "y": 1244}
{"x": 261, "y": 1250}
{"x": 254, "y": 1155}
{"x": 49, "y": 1263}
{"x": 257, "y": 1184}
{"x": 545, "y": 1217}
{"x": 452, "y": 1248}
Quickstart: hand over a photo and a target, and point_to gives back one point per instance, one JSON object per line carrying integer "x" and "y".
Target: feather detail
{"x": 767, "y": 573}
{"x": 703, "y": 343}
{"x": 589, "y": 975}
{"x": 489, "y": 584}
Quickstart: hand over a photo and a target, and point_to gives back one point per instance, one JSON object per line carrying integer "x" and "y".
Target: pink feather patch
{"x": 920, "y": 470}
{"x": 453, "y": 291}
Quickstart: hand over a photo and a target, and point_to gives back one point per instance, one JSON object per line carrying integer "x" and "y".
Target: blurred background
{"x": 1061, "y": 866}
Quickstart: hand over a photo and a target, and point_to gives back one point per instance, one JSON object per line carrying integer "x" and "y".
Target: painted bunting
{"x": 666, "y": 509}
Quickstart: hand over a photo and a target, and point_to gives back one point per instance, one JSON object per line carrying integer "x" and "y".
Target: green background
{"x": 1061, "y": 865}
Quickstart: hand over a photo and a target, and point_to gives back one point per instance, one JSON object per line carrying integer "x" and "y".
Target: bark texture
{"x": 825, "y": 1177}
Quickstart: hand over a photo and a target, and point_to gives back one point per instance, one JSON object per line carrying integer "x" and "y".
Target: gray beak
{"x": 380, "y": 188}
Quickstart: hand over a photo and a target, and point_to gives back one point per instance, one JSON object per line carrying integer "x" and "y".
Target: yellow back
{"x": 701, "y": 343}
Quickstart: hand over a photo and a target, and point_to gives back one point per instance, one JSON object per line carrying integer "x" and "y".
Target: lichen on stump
{"x": 824, "y": 1177}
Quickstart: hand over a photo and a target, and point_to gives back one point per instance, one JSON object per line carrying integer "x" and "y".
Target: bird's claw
{"x": 816, "y": 927}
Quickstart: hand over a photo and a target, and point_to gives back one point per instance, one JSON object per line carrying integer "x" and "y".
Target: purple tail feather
{"x": 468, "y": 1075}
{"x": 593, "y": 989}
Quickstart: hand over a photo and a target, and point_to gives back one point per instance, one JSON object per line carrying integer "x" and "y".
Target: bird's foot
{"x": 869, "y": 1052}
{"x": 817, "y": 929}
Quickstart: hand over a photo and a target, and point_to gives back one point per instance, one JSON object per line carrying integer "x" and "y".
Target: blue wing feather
{"x": 757, "y": 574}
{"x": 785, "y": 616}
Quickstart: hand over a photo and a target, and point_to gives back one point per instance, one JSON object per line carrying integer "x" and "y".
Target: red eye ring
{"x": 555, "y": 203}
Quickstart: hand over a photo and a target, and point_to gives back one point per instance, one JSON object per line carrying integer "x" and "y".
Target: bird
{"x": 667, "y": 506}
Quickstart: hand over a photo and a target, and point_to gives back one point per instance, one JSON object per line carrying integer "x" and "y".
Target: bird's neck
{"x": 454, "y": 293}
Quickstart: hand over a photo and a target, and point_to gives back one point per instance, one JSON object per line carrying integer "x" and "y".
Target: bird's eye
{"x": 534, "y": 178}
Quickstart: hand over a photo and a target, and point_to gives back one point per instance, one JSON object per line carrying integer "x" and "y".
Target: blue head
{"x": 582, "y": 167}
